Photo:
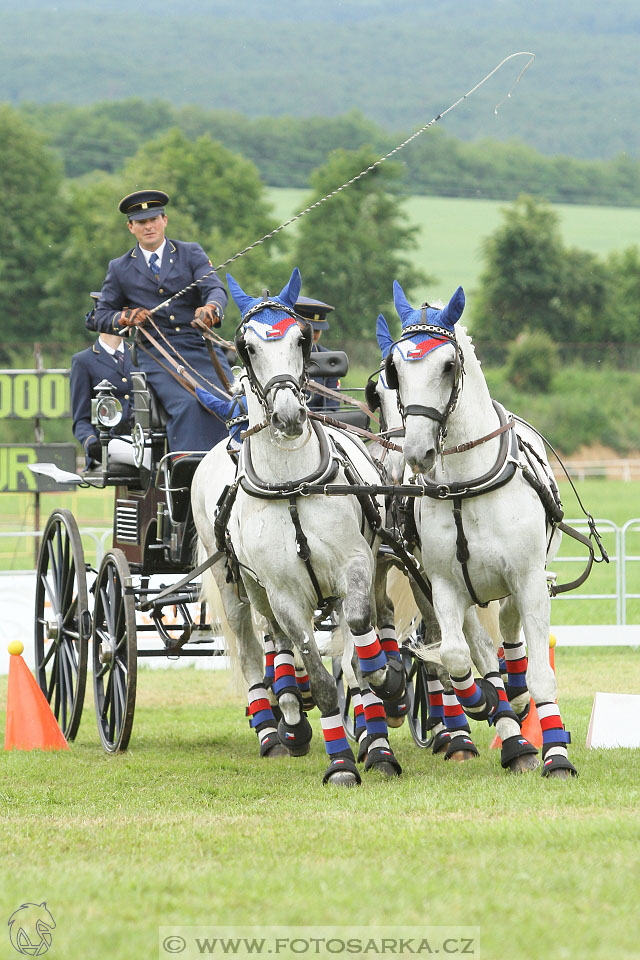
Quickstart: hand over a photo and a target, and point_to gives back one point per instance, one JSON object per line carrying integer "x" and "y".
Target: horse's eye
{"x": 250, "y": 349}
{"x": 448, "y": 367}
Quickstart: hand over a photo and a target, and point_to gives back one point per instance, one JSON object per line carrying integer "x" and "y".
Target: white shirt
{"x": 159, "y": 251}
{"x": 110, "y": 350}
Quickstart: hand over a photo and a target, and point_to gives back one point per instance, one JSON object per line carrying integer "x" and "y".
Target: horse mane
{"x": 467, "y": 341}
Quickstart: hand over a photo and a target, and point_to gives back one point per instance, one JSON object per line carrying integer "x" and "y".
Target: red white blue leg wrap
{"x": 370, "y": 654}
{"x": 389, "y": 642}
{"x": 335, "y": 738}
{"x": 261, "y": 717}
{"x": 304, "y": 689}
{"x": 269, "y": 657}
{"x": 284, "y": 674}
{"x": 555, "y": 739}
{"x": 516, "y": 662}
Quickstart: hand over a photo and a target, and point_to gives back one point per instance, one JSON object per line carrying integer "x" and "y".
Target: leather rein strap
{"x": 179, "y": 374}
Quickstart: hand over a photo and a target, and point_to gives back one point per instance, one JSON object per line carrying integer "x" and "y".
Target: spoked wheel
{"x": 114, "y": 652}
{"x": 344, "y": 697}
{"x": 62, "y": 620}
{"x": 418, "y": 715}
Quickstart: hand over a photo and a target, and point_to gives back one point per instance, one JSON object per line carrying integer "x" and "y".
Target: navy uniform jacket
{"x": 318, "y": 401}
{"x": 130, "y": 283}
{"x": 88, "y": 368}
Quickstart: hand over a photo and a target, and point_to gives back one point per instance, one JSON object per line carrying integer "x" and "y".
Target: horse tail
{"x": 405, "y": 609}
{"x": 489, "y": 618}
{"x": 210, "y": 594}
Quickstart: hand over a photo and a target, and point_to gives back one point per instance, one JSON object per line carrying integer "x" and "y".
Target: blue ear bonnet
{"x": 269, "y": 323}
{"x": 439, "y": 323}
{"x": 383, "y": 336}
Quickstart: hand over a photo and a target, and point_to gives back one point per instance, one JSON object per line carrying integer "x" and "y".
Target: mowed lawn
{"x": 191, "y": 827}
{"x": 451, "y": 232}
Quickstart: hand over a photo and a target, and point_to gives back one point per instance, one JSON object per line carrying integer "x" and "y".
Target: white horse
{"x": 484, "y": 530}
{"x": 298, "y": 550}
{"x": 482, "y": 631}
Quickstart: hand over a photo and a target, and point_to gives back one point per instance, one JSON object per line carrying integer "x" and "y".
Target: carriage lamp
{"x": 106, "y": 410}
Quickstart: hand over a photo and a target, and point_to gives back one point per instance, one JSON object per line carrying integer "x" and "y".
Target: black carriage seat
{"x": 350, "y": 415}
{"x": 147, "y": 408}
{"x": 181, "y": 470}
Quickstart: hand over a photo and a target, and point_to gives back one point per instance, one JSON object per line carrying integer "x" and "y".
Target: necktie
{"x": 154, "y": 265}
{"x": 119, "y": 359}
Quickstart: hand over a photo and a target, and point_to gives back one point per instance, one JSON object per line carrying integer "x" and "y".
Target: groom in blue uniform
{"x": 109, "y": 358}
{"x": 141, "y": 279}
{"x": 315, "y": 312}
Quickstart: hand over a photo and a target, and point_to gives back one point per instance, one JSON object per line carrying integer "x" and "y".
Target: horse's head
{"x": 274, "y": 346}
{"x": 380, "y": 396}
{"x": 426, "y": 365}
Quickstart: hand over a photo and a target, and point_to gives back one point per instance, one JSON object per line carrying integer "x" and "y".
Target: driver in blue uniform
{"x": 147, "y": 275}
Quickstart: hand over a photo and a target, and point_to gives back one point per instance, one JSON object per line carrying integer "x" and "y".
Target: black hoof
{"x": 393, "y": 686}
{"x": 558, "y": 767}
{"x": 342, "y": 772}
{"x": 460, "y": 748}
{"x": 296, "y": 738}
{"x": 271, "y": 746}
{"x": 513, "y": 749}
{"x": 383, "y": 760}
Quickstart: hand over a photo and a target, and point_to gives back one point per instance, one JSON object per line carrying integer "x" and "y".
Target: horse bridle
{"x": 416, "y": 409}
{"x": 266, "y": 393}
{"x": 373, "y": 402}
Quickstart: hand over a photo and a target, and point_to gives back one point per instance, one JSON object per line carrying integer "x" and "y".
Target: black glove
{"x": 94, "y": 449}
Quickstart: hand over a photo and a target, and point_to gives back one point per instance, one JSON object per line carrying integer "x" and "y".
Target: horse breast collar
{"x": 253, "y": 485}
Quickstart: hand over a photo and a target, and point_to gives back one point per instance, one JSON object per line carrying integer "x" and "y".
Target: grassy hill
{"x": 452, "y": 231}
{"x": 400, "y": 64}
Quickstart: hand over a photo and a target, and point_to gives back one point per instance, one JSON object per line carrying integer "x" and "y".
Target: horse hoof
{"x": 523, "y": 764}
{"x": 385, "y": 769}
{"x": 300, "y": 751}
{"x": 343, "y": 778}
{"x": 559, "y": 767}
{"x": 278, "y": 750}
{"x": 560, "y": 773}
{"x": 395, "y": 721}
{"x": 461, "y": 756}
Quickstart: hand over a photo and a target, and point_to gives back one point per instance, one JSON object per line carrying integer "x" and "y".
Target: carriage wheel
{"x": 344, "y": 698}
{"x": 62, "y": 620}
{"x": 114, "y": 652}
{"x": 418, "y": 715}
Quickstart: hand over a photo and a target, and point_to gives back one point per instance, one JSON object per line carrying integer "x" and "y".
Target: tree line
{"x": 286, "y": 150}
{"x": 59, "y": 234}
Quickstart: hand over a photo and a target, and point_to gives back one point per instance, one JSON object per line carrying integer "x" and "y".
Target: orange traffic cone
{"x": 531, "y": 728}
{"x": 31, "y": 724}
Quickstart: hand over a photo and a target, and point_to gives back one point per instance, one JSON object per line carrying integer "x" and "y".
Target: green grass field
{"x": 452, "y": 231}
{"x": 190, "y": 827}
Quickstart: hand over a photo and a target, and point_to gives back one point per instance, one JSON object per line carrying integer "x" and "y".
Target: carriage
{"x": 124, "y": 609}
